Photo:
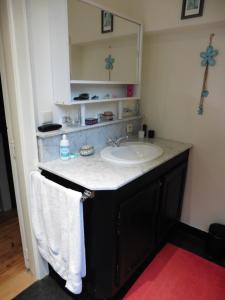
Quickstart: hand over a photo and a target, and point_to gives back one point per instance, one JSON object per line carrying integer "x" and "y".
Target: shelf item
{"x": 78, "y": 102}
{"x": 82, "y": 96}
{"x": 91, "y": 121}
{"x": 49, "y": 127}
{"x": 75, "y": 129}
{"x": 87, "y": 150}
{"x": 106, "y": 116}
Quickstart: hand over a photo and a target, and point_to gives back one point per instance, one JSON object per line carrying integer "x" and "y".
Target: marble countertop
{"x": 95, "y": 174}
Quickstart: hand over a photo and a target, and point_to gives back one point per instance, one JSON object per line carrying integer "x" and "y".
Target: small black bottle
{"x": 144, "y": 128}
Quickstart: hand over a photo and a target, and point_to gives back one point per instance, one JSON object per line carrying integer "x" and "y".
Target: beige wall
{"x": 172, "y": 81}
{"x": 127, "y": 7}
{"x": 88, "y": 61}
{"x": 81, "y": 31}
{"x": 164, "y": 14}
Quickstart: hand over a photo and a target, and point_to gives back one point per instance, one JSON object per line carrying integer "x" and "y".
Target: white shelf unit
{"x": 67, "y": 130}
{"x": 78, "y": 102}
{"x": 91, "y": 82}
{"x": 109, "y": 92}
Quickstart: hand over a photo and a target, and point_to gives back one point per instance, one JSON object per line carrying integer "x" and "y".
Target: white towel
{"x": 57, "y": 219}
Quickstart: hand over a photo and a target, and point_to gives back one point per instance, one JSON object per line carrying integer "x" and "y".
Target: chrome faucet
{"x": 116, "y": 142}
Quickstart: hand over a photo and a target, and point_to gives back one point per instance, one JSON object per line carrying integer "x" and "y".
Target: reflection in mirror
{"x": 99, "y": 55}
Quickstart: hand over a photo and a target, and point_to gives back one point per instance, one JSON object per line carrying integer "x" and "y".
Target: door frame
{"x": 6, "y": 158}
{"x": 17, "y": 89}
{"x": 13, "y": 156}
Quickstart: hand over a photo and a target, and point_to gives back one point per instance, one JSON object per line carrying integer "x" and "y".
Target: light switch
{"x": 129, "y": 128}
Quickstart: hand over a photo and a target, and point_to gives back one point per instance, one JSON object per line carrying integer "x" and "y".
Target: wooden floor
{"x": 14, "y": 278}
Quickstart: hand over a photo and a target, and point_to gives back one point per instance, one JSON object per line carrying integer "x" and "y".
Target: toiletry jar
{"x": 91, "y": 121}
{"x": 87, "y": 150}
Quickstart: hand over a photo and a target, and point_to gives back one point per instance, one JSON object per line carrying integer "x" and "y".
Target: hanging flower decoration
{"x": 208, "y": 59}
{"x": 109, "y": 62}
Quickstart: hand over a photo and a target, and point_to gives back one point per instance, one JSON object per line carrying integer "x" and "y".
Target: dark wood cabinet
{"x": 125, "y": 228}
{"x": 136, "y": 230}
{"x": 171, "y": 200}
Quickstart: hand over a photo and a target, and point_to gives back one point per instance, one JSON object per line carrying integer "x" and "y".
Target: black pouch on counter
{"x": 49, "y": 127}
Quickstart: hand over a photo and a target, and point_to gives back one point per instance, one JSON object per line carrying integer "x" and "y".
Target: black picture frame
{"x": 198, "y": 13}
{"x": 107, "y": 27}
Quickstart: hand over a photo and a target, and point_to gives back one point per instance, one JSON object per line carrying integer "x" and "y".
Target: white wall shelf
{"x": 44, "y": 135}
{"x": 78, "y": 102}
{"x": 90, "y": 82}
{"x": 99, "y": 88}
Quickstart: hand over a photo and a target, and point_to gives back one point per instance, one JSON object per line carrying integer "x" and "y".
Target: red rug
{"x": 176, "y": 274}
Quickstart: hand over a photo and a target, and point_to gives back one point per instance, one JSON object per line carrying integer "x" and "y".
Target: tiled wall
{"x": 49, "y": 147}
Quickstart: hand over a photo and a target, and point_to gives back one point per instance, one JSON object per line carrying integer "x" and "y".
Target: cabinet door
{"x": 171, "y": 201}
{"x": 137, "y": 223}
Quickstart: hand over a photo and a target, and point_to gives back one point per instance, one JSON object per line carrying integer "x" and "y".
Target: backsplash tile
{"x": 49, "y": 147}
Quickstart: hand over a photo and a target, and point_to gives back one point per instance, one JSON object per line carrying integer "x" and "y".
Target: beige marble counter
{"x": 95, "y": 174}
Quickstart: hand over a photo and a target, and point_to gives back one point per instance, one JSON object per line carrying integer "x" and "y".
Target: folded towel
{"x": 57, "y": 219}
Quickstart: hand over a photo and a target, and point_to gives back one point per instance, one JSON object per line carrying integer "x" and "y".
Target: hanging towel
{"x": 57, "y": 219}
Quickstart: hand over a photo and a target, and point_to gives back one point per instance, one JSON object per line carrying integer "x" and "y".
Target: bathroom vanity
{"x": 134, "y": 206}
{"x": 131, "y": 214}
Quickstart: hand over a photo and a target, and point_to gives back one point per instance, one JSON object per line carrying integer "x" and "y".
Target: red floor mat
{"x": 176, "y": 274}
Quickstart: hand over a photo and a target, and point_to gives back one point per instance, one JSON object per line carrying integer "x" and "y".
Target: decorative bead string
{"x": 208, "y": 59}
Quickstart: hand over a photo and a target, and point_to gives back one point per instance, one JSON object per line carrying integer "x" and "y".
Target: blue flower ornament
{"x": 208, "y": 57}
{"x": 109, "y": 62}
{"x": 208, "y": 60}
{"x": 205, "y": 93}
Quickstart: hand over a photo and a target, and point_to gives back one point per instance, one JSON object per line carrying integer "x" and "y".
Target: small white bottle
{"x": 64, "y": 148}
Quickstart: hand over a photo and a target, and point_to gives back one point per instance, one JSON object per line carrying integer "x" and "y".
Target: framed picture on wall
{"x": 192, "y": 9}
{"x": 107, "y": 21}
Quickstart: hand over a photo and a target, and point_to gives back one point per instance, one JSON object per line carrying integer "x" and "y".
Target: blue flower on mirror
{"x": 109, "y": 62}
{"x": 208, "y": 57}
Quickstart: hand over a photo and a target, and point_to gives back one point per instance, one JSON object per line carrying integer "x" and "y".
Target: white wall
{"x": 40, "y": 56}
{"x": 172, "y": 81}
{"x": 49, "y": 48}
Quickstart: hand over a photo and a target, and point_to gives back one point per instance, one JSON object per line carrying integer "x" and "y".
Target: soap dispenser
{"x": 64, "y": 148}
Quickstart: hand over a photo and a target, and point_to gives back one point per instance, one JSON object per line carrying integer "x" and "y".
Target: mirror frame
{"x": 140, "y": 33}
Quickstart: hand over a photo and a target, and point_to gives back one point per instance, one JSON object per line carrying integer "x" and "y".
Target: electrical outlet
{"x": 46, "y": 117}
{"x": 129, "y": 128}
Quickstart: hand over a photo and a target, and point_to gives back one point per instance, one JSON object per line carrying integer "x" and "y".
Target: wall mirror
{"x": 103, "y": 46}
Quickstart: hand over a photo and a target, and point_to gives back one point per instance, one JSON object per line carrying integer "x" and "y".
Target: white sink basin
{"x": 131, "y": 153}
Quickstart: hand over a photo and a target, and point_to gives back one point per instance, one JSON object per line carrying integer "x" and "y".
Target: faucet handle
{"x": 119, "y": 140}
{"x": 110, "y": 141}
